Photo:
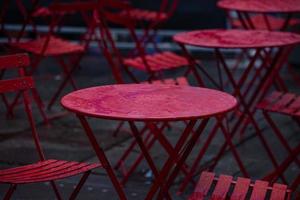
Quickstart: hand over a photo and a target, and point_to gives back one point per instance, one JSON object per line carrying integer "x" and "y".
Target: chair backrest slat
{"x": 259, "y": 190}
{"x": 17, "y": 84}
{"x": 74, "y": 6}
{"x": 241, "y": 188}
{"x": 222, "y": 187}
{"x": 278, "y": 192}
{"x": 21, "y": 84}
{"x": 14, "y": 61}
{"x": 205, "y": 182}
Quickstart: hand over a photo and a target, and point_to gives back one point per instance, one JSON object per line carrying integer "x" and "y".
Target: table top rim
{"x": 103, "y": 116}
{"x": 190, "y": 43}
{"x": 255, "y": 10}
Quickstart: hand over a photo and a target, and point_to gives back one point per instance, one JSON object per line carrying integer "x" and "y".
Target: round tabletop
{"x": 148, "y": 102}
{"x": 261, "y": 6}
{"x": 219, "y": 38}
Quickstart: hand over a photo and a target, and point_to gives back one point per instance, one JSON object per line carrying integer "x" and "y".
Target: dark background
{"x": 190, "y": 14}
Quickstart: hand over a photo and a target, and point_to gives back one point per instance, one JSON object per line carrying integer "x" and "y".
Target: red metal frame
{"x": 149, "y": 139}
{"x": 45, "y": 170}
{"x": 110, "y": 50}
{"x": 150, "y": 21}
{"x": 263, "y": 20}
{"x": 242, "y": 188}
{"x": 153, "y": 119}
{"x": 286, "y": 104}
{"x": 249, "y": 90}
{"x": 24, "y": 60}
{"x": 154, "y": 64}
{"x": 69, "y": 55}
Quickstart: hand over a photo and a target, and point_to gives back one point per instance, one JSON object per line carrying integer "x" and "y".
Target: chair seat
{"x": 157, "y": 61}
{"x": 284, "y": 103}
{"x": 170, "y": 81}
{"x": 47, "y": 170}
{"x": 211, "y": 187}
{"x": 42, "y": 12}
{"x": 56, "y": 46}
{"x": 45, "y": 12}
{"x": 259, "y": 22}
{"x": 145, "y": 15}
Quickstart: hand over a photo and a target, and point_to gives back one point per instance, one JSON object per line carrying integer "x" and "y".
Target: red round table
{"x": 150, "y": 103}
{"x": 263, "y": 7}
{"x": 270, "y": 52}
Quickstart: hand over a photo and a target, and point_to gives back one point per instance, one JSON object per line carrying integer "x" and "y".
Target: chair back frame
{"x": 21, "y": 84}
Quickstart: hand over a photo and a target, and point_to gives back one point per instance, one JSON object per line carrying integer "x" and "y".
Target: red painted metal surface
{"x": 150, "y": 140}
{"x": 242, "y": 189}
{"x": 67, "y": 54}
{"x": 45, "y": 170}
{"x": 24, "y": 83}
{"x": 267, "y": 6}
{"x": 145, "y": 15}
{"x": 157, "y": 62}
{"x": 237, "y": 38}
{"x": 14, "y": 61}
{"x": 284, "y": 103}
{"x": 287, "y": 104}
{"x": 261, "y": 23}
{"x": 257, "y": 79}
{"x": 18, "y": 61}
{"x": 149, "y": 103}
{"x": 137, "y": 102}
{"x": 52, "y": 46}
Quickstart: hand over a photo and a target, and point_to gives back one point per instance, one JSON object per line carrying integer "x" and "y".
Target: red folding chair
{"x": 154, "y": 64}
{"x": 44, "y": 170}
{"x": 68, "y": 55}
{"x": 263, "y": 22}
{"x": 286, "y": 104}
{"x": 225, "y": 187}
{"x": 151, "y": 20}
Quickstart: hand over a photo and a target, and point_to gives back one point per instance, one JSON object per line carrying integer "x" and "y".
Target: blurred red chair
{"x": 67, "y": 54}
{"x": 44, "y": 170}
{"x": 224, "y": 187}
{"x": 151, "y": 20}
{"x": 285, "y": 104}
{"x": 153, "y": 64}
{"x": 157, "y": 62}
{"x": 263, "y": 22}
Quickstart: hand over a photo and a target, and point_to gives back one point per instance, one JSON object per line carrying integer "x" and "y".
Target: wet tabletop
{"x": 148, "y": 102}
{"x": 263, "y": 6}
{"x": 219, "y": 38}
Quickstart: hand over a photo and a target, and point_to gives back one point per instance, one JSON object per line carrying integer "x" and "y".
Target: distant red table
{"x": 24, "y": 8}
{"x": 270, "y": 48}
{"x": 150, "y": 104}
{"x": 244, "y": 7}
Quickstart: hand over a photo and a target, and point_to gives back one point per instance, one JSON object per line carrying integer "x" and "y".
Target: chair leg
{"x": 67, "y": 78}
{"x": 79, "y": 185}
{"x": 54, "y": 187}
{"x": 279, "y": 135}
{"x": 40, "y": 105}
{"x": 10, "y": 192}
{"x": 117, "y": 131}
{"x": 296, "y": 183}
